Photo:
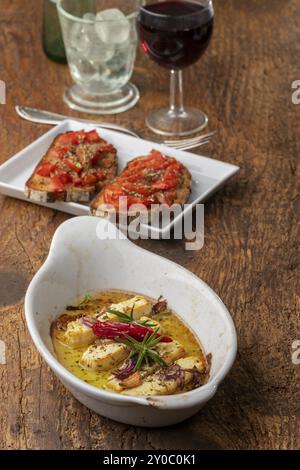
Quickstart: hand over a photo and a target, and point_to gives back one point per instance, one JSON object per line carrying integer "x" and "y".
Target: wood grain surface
{"x": 251, "y": 255}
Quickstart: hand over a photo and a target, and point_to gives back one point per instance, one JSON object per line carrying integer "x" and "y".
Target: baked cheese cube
{"x": 138, "y": 306}
{"x": 104, "y": 355}
{"x": 78, "y": 335}
{"x": 170, "y": 351}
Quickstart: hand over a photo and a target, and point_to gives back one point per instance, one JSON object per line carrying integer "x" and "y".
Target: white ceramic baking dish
{"x": 84, "y": 257}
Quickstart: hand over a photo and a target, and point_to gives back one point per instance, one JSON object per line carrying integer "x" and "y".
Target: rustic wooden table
{"x": 251, "y": 254}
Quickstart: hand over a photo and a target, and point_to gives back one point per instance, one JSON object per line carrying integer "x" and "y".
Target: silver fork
{"x": 46, "y": 117}
{"x": 190, "y": 143}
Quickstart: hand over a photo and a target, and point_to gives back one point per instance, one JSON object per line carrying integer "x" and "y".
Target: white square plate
{"x": 208, "y": 175}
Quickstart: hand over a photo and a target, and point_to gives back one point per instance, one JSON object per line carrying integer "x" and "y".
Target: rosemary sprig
{"x": 83, "y": 305}
{"x": 124, "y": 318}
{"x": 86, "y": 299}
{"x": 145, "y": 351}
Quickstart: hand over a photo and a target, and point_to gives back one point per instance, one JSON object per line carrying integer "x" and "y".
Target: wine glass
{"x": 175, "y": 34}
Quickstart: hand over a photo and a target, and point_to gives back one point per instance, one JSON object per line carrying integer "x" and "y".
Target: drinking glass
{"x": 101, "y": 40}
{"x": 175, "y": 34}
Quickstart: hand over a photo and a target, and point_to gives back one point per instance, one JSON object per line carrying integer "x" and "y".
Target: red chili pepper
{"x": 115, "y": 330}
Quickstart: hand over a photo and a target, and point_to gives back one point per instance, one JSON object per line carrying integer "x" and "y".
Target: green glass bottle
{"x": 52, "y": 36}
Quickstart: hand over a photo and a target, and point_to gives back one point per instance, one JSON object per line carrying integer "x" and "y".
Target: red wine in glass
{"x": 175, "y": 34}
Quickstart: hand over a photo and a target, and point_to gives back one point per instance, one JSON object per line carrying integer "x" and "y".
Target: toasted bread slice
{"x": 76, "y": 167}
{"x": 148, "y": 180}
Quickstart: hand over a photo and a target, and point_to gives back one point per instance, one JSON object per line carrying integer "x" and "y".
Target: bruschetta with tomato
{"x": 147, "y": 180}
{"x": 77, "y": 166}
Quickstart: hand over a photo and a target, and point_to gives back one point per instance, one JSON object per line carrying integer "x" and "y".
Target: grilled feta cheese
{"x": 170, "y": 351}
{"x": 138, "y": 306}
{"x": 192, "y": 362}
{"x": 78, "y": 335}
{"x": 104, "y": 355}
{"x": 158, "y": 384}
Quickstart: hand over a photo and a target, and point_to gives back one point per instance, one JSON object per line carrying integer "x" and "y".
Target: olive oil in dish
{"x": 129, "y": 344}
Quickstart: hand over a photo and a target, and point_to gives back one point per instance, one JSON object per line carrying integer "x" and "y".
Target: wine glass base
{"x": 122, "y": 100}
{"x": 171, "y": 123}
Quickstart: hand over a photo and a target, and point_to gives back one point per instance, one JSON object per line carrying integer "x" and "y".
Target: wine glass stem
{"x": 176, "y": 93}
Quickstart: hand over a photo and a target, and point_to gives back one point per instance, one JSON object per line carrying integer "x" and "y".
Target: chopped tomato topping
{"x": 101, "y": 175}
{"x": 92, "y": 136}
{"x": 59, "y": 152}
{"x": 73, "y": 138}
{"x": 134, "y": 178}
{"x": 106, "y": 163}
{"x": 89, "y": 180}
{"x": 142, "y": 190}
{"x": 65, "y": 178}
{"x": 108, "y": 148}
{"x": 77, "y": 181}
{"x": 62, "y": 151}
{"x": 77, "y": 167}
{"x": 70, "y": 165}
{"x": 100, "y": 153}
{"x": 95, "y": 159}
{"x": 156, "y": 154}
{"x": 56, "y": 184}
{"x": 136, "y": 200}
{"x": 146, "y": 181}
{"x": 45, "y": 169}
{"x": 113, "y": 198}
{"x": 164, "y": 186}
